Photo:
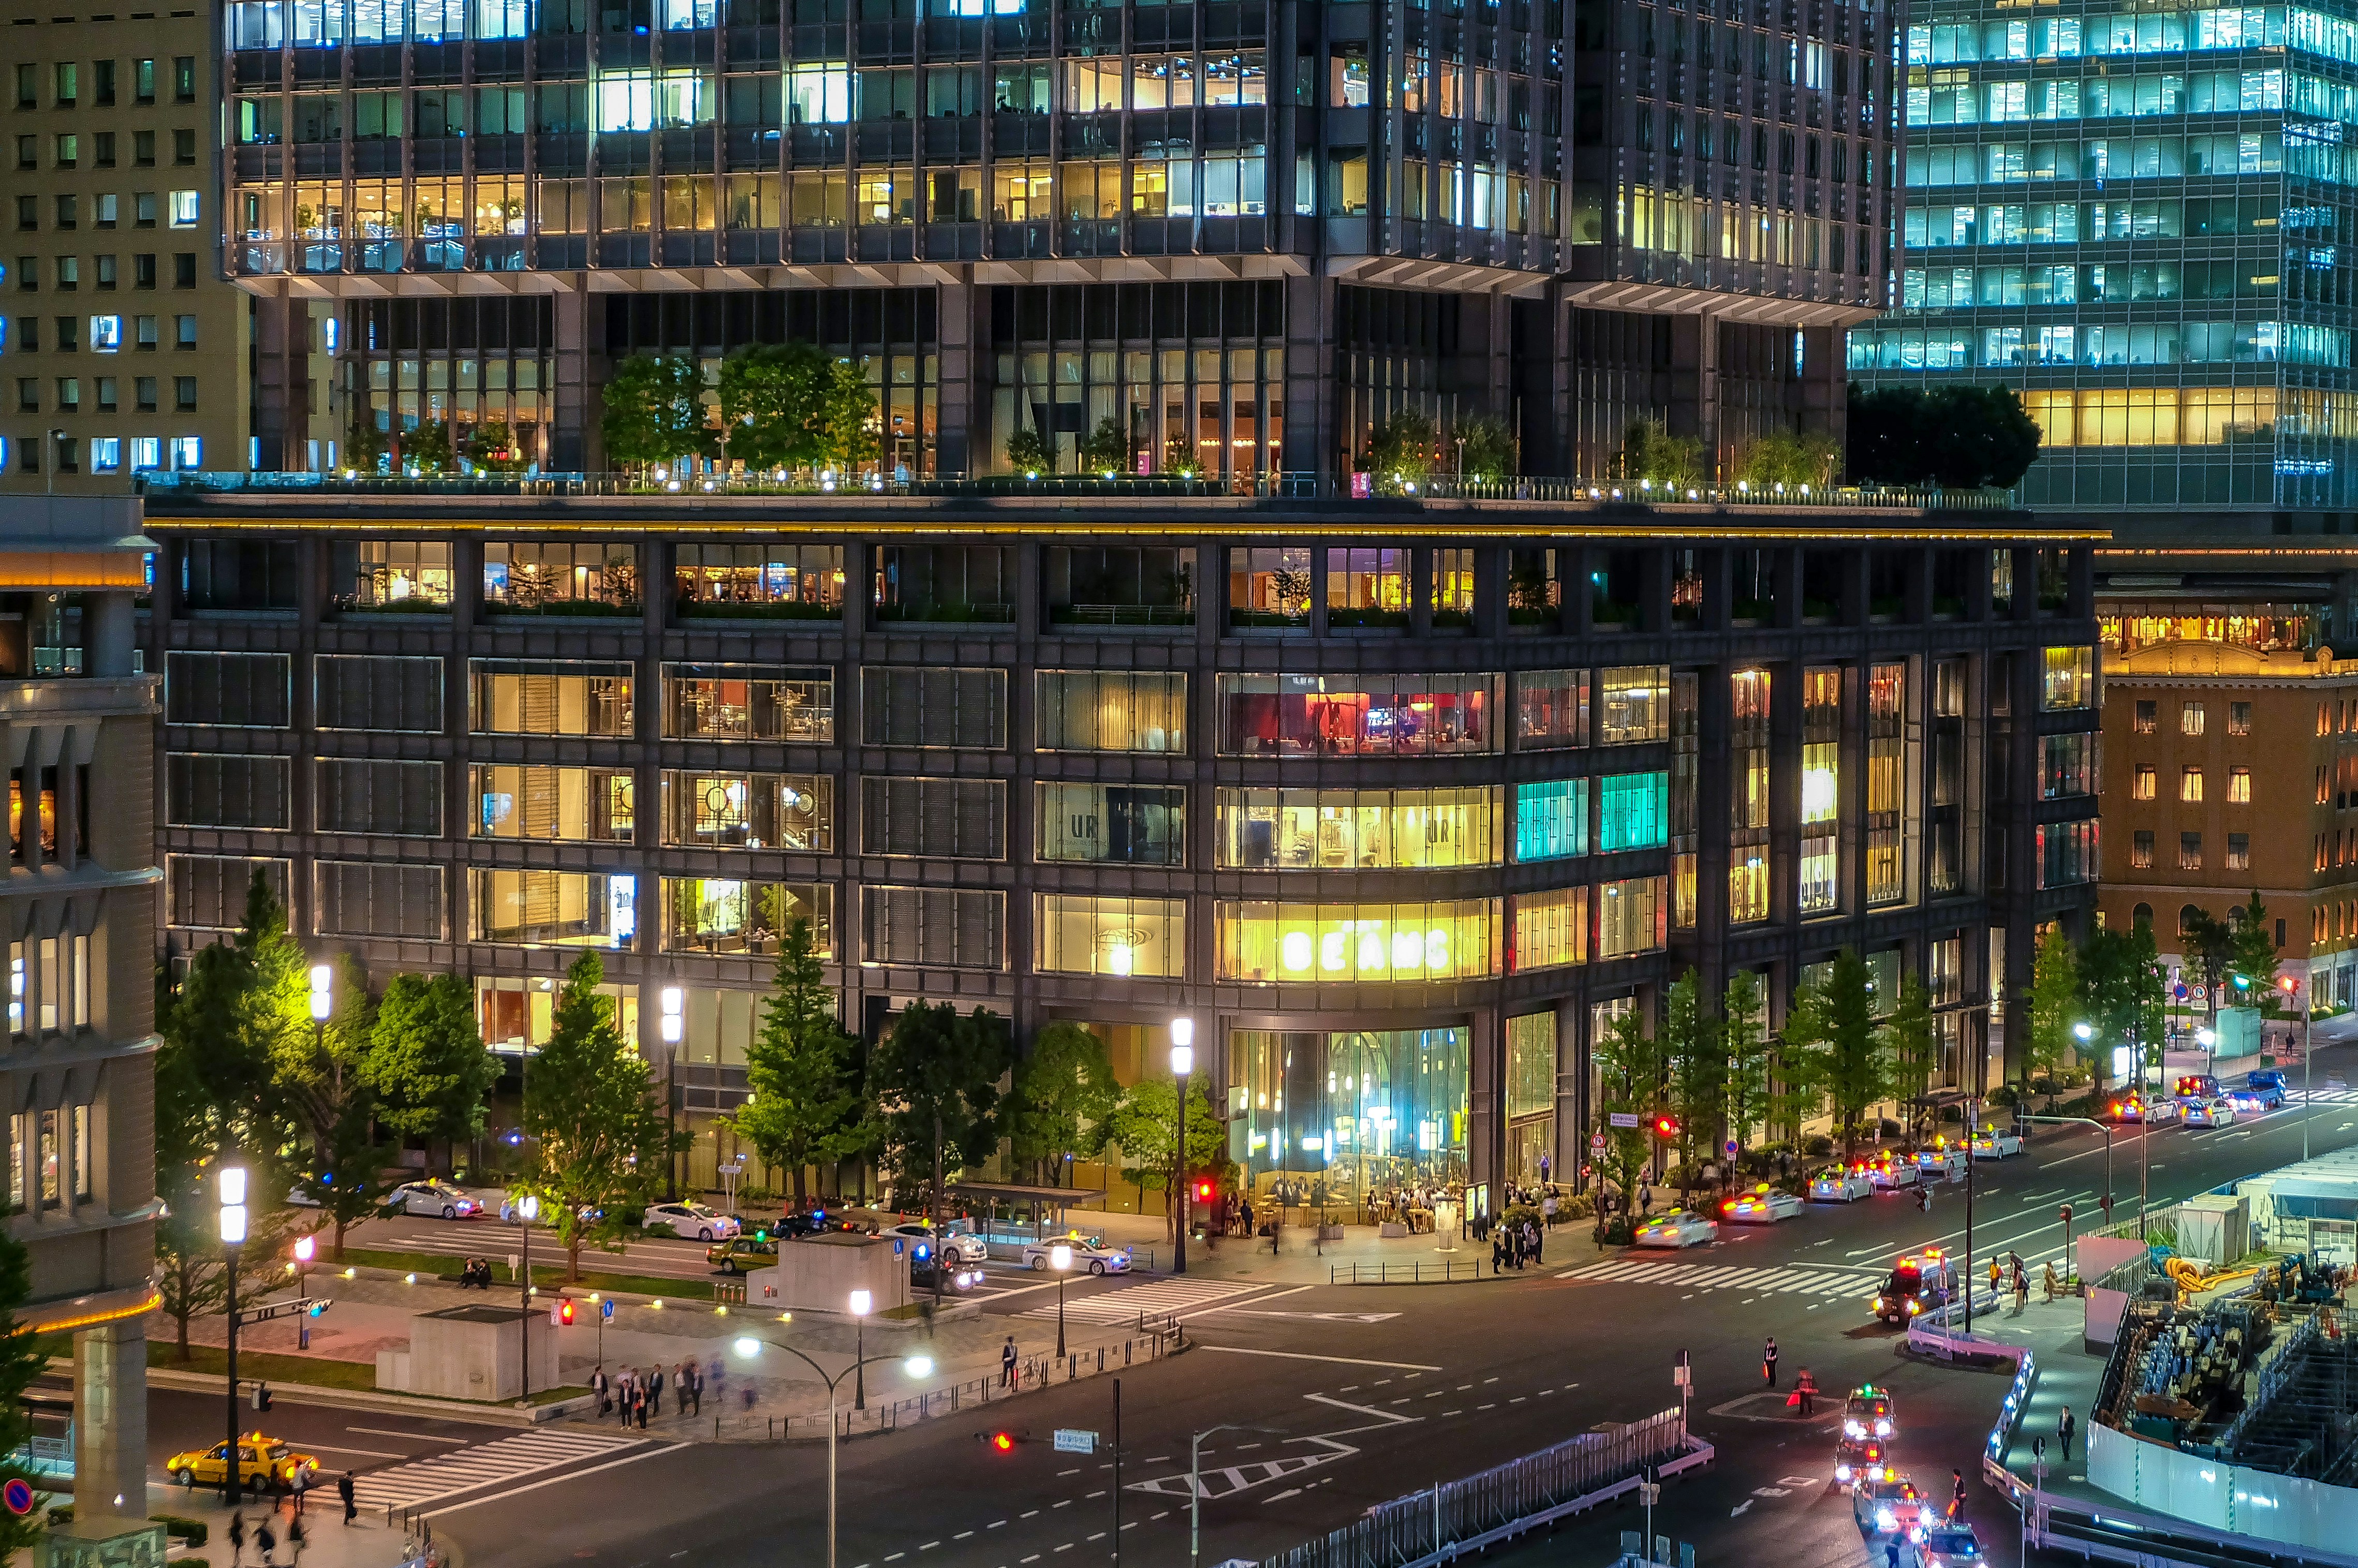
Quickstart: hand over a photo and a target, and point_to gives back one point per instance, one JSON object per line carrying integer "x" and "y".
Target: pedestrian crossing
{"x": 1801, "y": 1281}
{"x": 503, "y": 1459}
{"x": 1151, "y": 1298}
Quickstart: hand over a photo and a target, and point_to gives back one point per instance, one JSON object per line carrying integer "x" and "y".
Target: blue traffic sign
{"x": 18, "y": 1495}
{"x": 606, "y": 1309}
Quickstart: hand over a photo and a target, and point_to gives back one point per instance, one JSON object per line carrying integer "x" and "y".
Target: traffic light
{"x": 1666, "y": 1127}
{"x": 565, "y": 1313}
{"x": 1205, "y": 1187}
{"x": 2243, "y": 983}
{"x": 1002, "y": 1443}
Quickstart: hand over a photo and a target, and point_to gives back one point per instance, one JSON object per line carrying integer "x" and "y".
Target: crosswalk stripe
{"x": 1125, "y": 1303}
{"x": 503, "y": 1459}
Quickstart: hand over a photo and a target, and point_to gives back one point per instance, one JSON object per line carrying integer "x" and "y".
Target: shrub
{"x": 1891, "y": 1128}
{"x": 195, "y": 1531}
{"x": 1027, "y": 454}
{"x": 1818, "y": 1148}
{"x": 1579, "y": 1205}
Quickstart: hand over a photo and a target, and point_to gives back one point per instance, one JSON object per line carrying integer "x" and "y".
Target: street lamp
{"x": 304, "y": 1248}
{"x": 1060, "y": 1258}
{"x": 2307, "y": 1070}
{"x": 232, "y": 1234}
{"x": 1196, "y": 1482}
{"x": 860, "y": 1302}
{"x": 528, "y": 1210}
{"x": 915, "y": 1365}
{"x": 671, "y": 1028}
{"x": 1182, "y": 1062}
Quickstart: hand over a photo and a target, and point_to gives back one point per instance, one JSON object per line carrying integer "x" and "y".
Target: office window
{"x": 234, "y": 690}
{"x": 1550, "y": 929}
{"x": 1369, "y": 829}
{"x": 2239, "y": 787}
{"x": 2190, "y": 718}
{"x": 207, "y": 892}
{"x": 1112, "y": 936}
{"x": 377, "y": 691}
{"x": 1633, "y": 811}
{"x": 722, "y": 810}
{"x": 956, "y": 818}
{"x": 749, "y": 702}
{"x": 2141, "y": 851}
{"x": 1550, "y": 709}
{"x": 1111, "y": 710}
{"x": 2189, "y": 785}
{"x": 527, "y": 577}
{"x": 2189, "y": 851}
{"x": 2146, "y": 776}
{"x": 1366, "y": 588}
{"x": 1262, "y": 941}
{"x": 1130, "y": 825}
{"x": 552, "y": 697}
{"x": 950, "y": 928}
{"x": 378, "y": 898}
{"x": 2067, "y": 765}
{"x": 2239, "y": 718}
{"x": 1633, "y": 704}
{"x": 2066, "y": 853}
{"x": 372, "y": 794}
{"x": 1269, "y": 587}
{"x": 2239, "y": 851}
{"x": 553, "y": 909}
{"x": 732, "y": 915}
{"x": 388, "y": 574}
{"x": 596, "y": 806}
{"x": 106, "y": 334}
{"x": 915, "y": 706}
{"x": 1632, "y": 916}
{"x": 1822, "y": 709}
{"x": 944, "y": 582}
{"x": 203, "y": 789}
{"x": 49, "y": 984}
{"x": 1551, "y": 819}
{"x": 1305, "y": 715}
{"x": 2067, "y": 678}
{"x": 773, "y": 582}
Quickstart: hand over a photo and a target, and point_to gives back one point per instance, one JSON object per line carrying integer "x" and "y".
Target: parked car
{"x": 1889, "y": 1172}
{"x": 2219, "y": 1112}
{"x": 1941, "y": 1162}
{"x": 689, "y": 1220}
{"x": 1834, "y": 1184}
{"x": 1090, "y": 1252}
{"x": 262, "y": 1462}
{"x": 959, "y": 1245}
{"x": 1763, "y": 1204}
{"x": 740, "y": 1253}
{"x": 1996, "y": 1143}
{"x": 432, "y": 1197}
{"x": 1677, "y": 1228}
{"x": 512, "y": 1211}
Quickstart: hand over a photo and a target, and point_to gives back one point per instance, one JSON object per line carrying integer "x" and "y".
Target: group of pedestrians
{"x": 637, "y": 1392}
{"x": 265, "y": 1536}
{"x": 1513, "y": 1246}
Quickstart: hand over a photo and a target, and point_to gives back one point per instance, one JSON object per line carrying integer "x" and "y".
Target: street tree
{"x": 933, "y": 1079}
{"x": 1145, "y": 1125}
{"x": 2055, "y": 1008}
{"x": 425, "y": 446}
{"x": 1629, "y": 1065}
{"x": 1650, "y": 455}
{"x": 23, "y": 1361}
{"x": 2121, "y": 983}
{"x": 653, "y": 411}
{"x": 803, "y": 1070}
{"x": 2255, "y": 956}
{"x": 1107, "y": 451}
{"x": 1744, "y": 1035}
{"x": 1912, "y": 1051}
{"x": 1696, "y": 1066}
{"x": 426, "y": 1064}
{"x": 601, "y": 1142}
{"x": 1065, "y": 1091}
{"x": 1797, "y": 1064}
{"x": 850, "y": 436}
{"x": 2208, "y": 945}
{"x": 770, "y": 397}
{"x": 1857, "y": 1058}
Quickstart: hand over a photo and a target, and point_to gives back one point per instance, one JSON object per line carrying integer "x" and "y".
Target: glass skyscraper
{"x": 2141, "y": 219}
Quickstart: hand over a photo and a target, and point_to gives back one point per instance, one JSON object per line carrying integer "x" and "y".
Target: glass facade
{"x": 1551, "y": 819}
{"x": 1264, "y": 941}
{"x": 2140, "y": 219}
{"x": 1342, "y": 829}
{"x": 1362, "y": 1112}
{"x": 1308, "y": 716}
{"x": 1113, "y": 936}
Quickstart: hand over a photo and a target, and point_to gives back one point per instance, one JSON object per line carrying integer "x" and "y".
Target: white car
{"x": 691, "y": 1220}
{"x": 1841, "y": 1186}
{"x": 1090, "y": 1252}
{"x": 959, "y": 1245}
{"x": 2219, "y": 1112}
{"x": 1889, "y": 1172}
{"x": 1950, "y": 1545}
{"x": 1941, "y": 1163}
{"x": 1677, "y": 1228}
{"x": 432, "y": 1197}
{"x": 1996, "y": 1143}
{"x": 1763, "y": 1204}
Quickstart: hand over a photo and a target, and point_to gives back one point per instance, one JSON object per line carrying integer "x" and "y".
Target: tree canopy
{"x": 802, "y": 1071}
{"x": 1064, "y": 1094}
{"x": 1959, "y": 437}
{"x": 653, "y": 411}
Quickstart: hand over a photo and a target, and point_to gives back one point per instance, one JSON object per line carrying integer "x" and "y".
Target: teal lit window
{"x": 1551, "y": 819}
{"x": 1634, "y": 811}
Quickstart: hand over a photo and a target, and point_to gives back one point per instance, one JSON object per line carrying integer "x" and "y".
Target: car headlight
{"x": 1882, "y": 1429}
{"x": 1842, "y": 1472}
{"x": 1915, "y": 1307}
{"x": 1886, "y": 1519}
{"x": 1853, "y": 1429}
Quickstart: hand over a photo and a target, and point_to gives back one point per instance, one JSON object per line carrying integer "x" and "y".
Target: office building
{"x": 1247, "y": 233}
{"x": 1401, "y": 810}
{"x": 79, "y": 721}
{"x": 122, "y": 347}
{"x": 2138, "y": 217}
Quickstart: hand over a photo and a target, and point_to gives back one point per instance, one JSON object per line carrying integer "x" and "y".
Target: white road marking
{"x": 1299, "y": 1355}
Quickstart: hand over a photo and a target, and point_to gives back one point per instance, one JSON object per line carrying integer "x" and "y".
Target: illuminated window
{"x": 530, "y": 577}
{"x": 1551, "y": 819}
{"x": 2239, "y": 718}
{"x": 762, "y": 581}
{"x": 1129, "y": 825}
{"x": 2068, "y": 678}
{"x": 1366, "y": 588}
{"x": 2067, "y": 766}
{"x": 1550, "y": 929}
{"x": 1632, "y": 916}
{"x": 1114, "y": 936}
{"x": 2141, "y": 851}
{"x": 1452, "y": 588}
{"x": 794, "y": 812}
{"x": 749, "y": 702}
{"x": 1821, "y": 788}
{"x": 2147, "y": 712}
{"x": 2067, "y": 853}
{"x": 1748, "y": 752}
{"x": 1551, "y": 709}
{"x": 579, "y": 805}
{"x": 720, "y": 915}
{"x": 2189, "y": 785}
{"x": 626, "y": 100}
{"x": 2239, "y": 787}
{"x": 554, "y": 909}
{"x": 1305, "y": 716}
{"x": 1633, "y": 811}
{"x": 819, "y": 93}
{"x": 1269, "y": 587}
{"x": 1633, "y": 704}
{"x": 2190, "y": 718}
{"x": 1111, "y": 710}
{"x": 2146, "y": 776}
{"x": 1369, "y": 829}
{"x": 2239, "y": 851}
{"x": 2189, "y": 851}
{"x": 551, "y": 697}
{"x": 395, "y": 574}
{"x": 1264, "y": 941}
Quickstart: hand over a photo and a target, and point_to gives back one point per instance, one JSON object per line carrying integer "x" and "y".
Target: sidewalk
{"x": 368, "y": 1543}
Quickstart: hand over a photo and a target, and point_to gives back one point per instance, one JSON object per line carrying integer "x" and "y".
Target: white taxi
{"x": 1677, "y": 1228}
{"x": 1834, "y": 1184}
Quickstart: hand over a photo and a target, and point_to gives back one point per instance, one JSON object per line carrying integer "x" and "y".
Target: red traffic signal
{"x": 1002, "y": 1443}
{"x": 565, "y": 1313}
{"x": 1666, "y": 1127}
{"x": 1204, "y": 1188}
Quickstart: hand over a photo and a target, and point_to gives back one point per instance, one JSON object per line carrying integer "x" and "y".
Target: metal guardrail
{"x": 1459, "y": 1516}
{"x": 1414, "y": 1272}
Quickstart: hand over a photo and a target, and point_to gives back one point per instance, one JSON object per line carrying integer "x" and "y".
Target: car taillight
{"x": 1882, "y": 1429}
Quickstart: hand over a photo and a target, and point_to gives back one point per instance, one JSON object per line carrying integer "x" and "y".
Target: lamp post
{"x": 2307, "y": 1070}
{"x": 671, "y": 1028}
{"x": 917, "y": 1366}
{"x": 527, "y": 1209}
{"x": 1195, "y": 1481}
{"x": 232, "y": 1234}
{"x": 860, "y": 1302}
{"x": 1182, "y": 1062}
{"x": 1060, "y": 1259}
{"x": 304, "y": 1247}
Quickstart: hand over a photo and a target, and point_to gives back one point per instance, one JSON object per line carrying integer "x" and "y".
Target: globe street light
{"x": 1060, "y": 1258}
{"x": 1182, "y": 1062}
{"x": 860, "y": 1302}
{"x": 304, "y": 1248}
{"x": 232, "y": 1234}
{"x": 527, "y": 1209}
{"x": 747, "y": 1347}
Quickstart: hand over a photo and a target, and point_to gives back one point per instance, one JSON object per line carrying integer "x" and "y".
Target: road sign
{"x": 18, "y": 1495}
{"x": 1596, "y": 1141}
{"x": 1729, "y": 1146}
{"x": 1074, "y": 1439}
{"x": 1626, "y": 1118}
{"x": 282, "y": 1309}
{"x": 606, "y": 1310}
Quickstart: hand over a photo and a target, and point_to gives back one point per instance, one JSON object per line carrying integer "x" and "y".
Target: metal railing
{"x": 1416, "y": 1272}
{"x": 1457, "y": 1517}
{"x": 1031, "y": 1373}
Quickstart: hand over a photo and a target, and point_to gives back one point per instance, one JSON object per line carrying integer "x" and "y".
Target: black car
{"x": 814, "y": 1222}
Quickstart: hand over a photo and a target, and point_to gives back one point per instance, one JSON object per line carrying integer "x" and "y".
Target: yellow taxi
{"x": 262, "y": 1462}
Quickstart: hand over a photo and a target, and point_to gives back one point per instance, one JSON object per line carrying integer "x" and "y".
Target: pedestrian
{"x": 1532, "y": 1234}
{"x": 1007, "y": 1363}
{"x": 299, "y": 1485}
{"x": 1994, "y": 1276}
{"x": 1957, "y": 1494}
{"x": 679, "y": 1387}
{"x": 296, "y": 1539}
{"x": 696, "y": 1388}
{"x": 1645, "y": 1200}
{"x": 1806, "y": 1386}
{"x": 1498, "y": 1255}
{"x": 1547, "y": 1207}
{"x": 1891, "y": 1552}
{"x": 2052, "y": 1280}
{"x": 1768, "y": 1362}
{"x": 265, "y": 1542}
{"x": 1245, "y": 1209}
{"x": 599, "y": 1386}
{"x": 1276, "y": 1224}
{"x": 344, "y": 1490}
{"x": 2021, "y": 1293}
{"x": 718, "y": 1372}
{"x": 656, "y": 1387}
{"x": 2064, "y": 1427}
{"x": 748, "y": 1391}
{"x": 236, "y": 1537}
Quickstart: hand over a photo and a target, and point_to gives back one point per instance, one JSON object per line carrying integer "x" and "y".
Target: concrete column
{"x": 573, "y": 443}
{"x": 1314, "y": 439}
{"x": 111, "y": 1422}
{"x": 1420, "y": 592}
{"x": 110, "y": 631}
{"x": 962, "y": 440}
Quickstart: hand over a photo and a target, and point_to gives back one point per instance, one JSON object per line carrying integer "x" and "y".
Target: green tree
{"x": 771, "y": 402}
{"x": 1696, "y": 1063}
{"x": 1857, "y": 1071}
{"x": 933, "y": 1079}
{"x": 1485, "y": 449}
{"x": 426, "y": 446}
{"x": 23, "y": 1361}
{"x": 1914, "y": 1060}
{"x": 1629, "y": 1063}
{"x": 365, "y": 446}
{"x": 2209, "y": 945}
{"x": 2255, "y": 956}
{"x": 1064, "y": 1092}
{"x": 2121, "y": 983}
{"x": 589, "y": 1107}
{"x": 1782, "y": 457}
{"x": 1399, "y": 452}
{"x": 1145, "y": 1125}
{"x": 849, "y": 433}
{"x": 1107, "y": 451}
{"x": 1028, "y": 454}
{"x": 492, "y": 446}
{"x": 1652, "y": 455}
{"x": 1797, "y": 1063}
{"x": 1744, "y": 1035}
{"x": 426, "y": 1064}
{"x": 1961, "y": 438}
{"x": 653, "y": 411}
{"x": 2055, "y": 1007}
{"x": 802, "y": 1069}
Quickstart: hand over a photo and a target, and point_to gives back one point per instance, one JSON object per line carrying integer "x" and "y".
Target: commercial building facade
{"x": 122, "y": 347}
{"x": 1246, "y": 232}
{"x": 2139, "y": 218}
{"x": 1399, "y": 807}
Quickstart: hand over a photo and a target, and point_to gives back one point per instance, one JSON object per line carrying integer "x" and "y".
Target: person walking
{"x": 656, "y": 1381}
{"x": 2065, "y": 1425}
{"x": 1537, "y": 1237}
{"x": 1806, "y": 1386}
{"x": 1498, "y": 1255}
{"x": 236, "y": 1537}
{"x": 696, "y": 1388}
{"x": 265, "y": 1542}
{"x": 684, "y": 1375}
{"x": 1645, "y": 1200}
{"x": 1007, "y": 1363}
{"x": 1768, "y": 1362}
{"x": 344, "y": 1491}
{"x": 600, "y": 1386}
{"x": 1957, "y": 1494}
{"x": 2022, "y": 1291}
{"x": 299, "y": 1485}
{"x": 1994, "y": 1276}
{"x": 2052, "y": 1280}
